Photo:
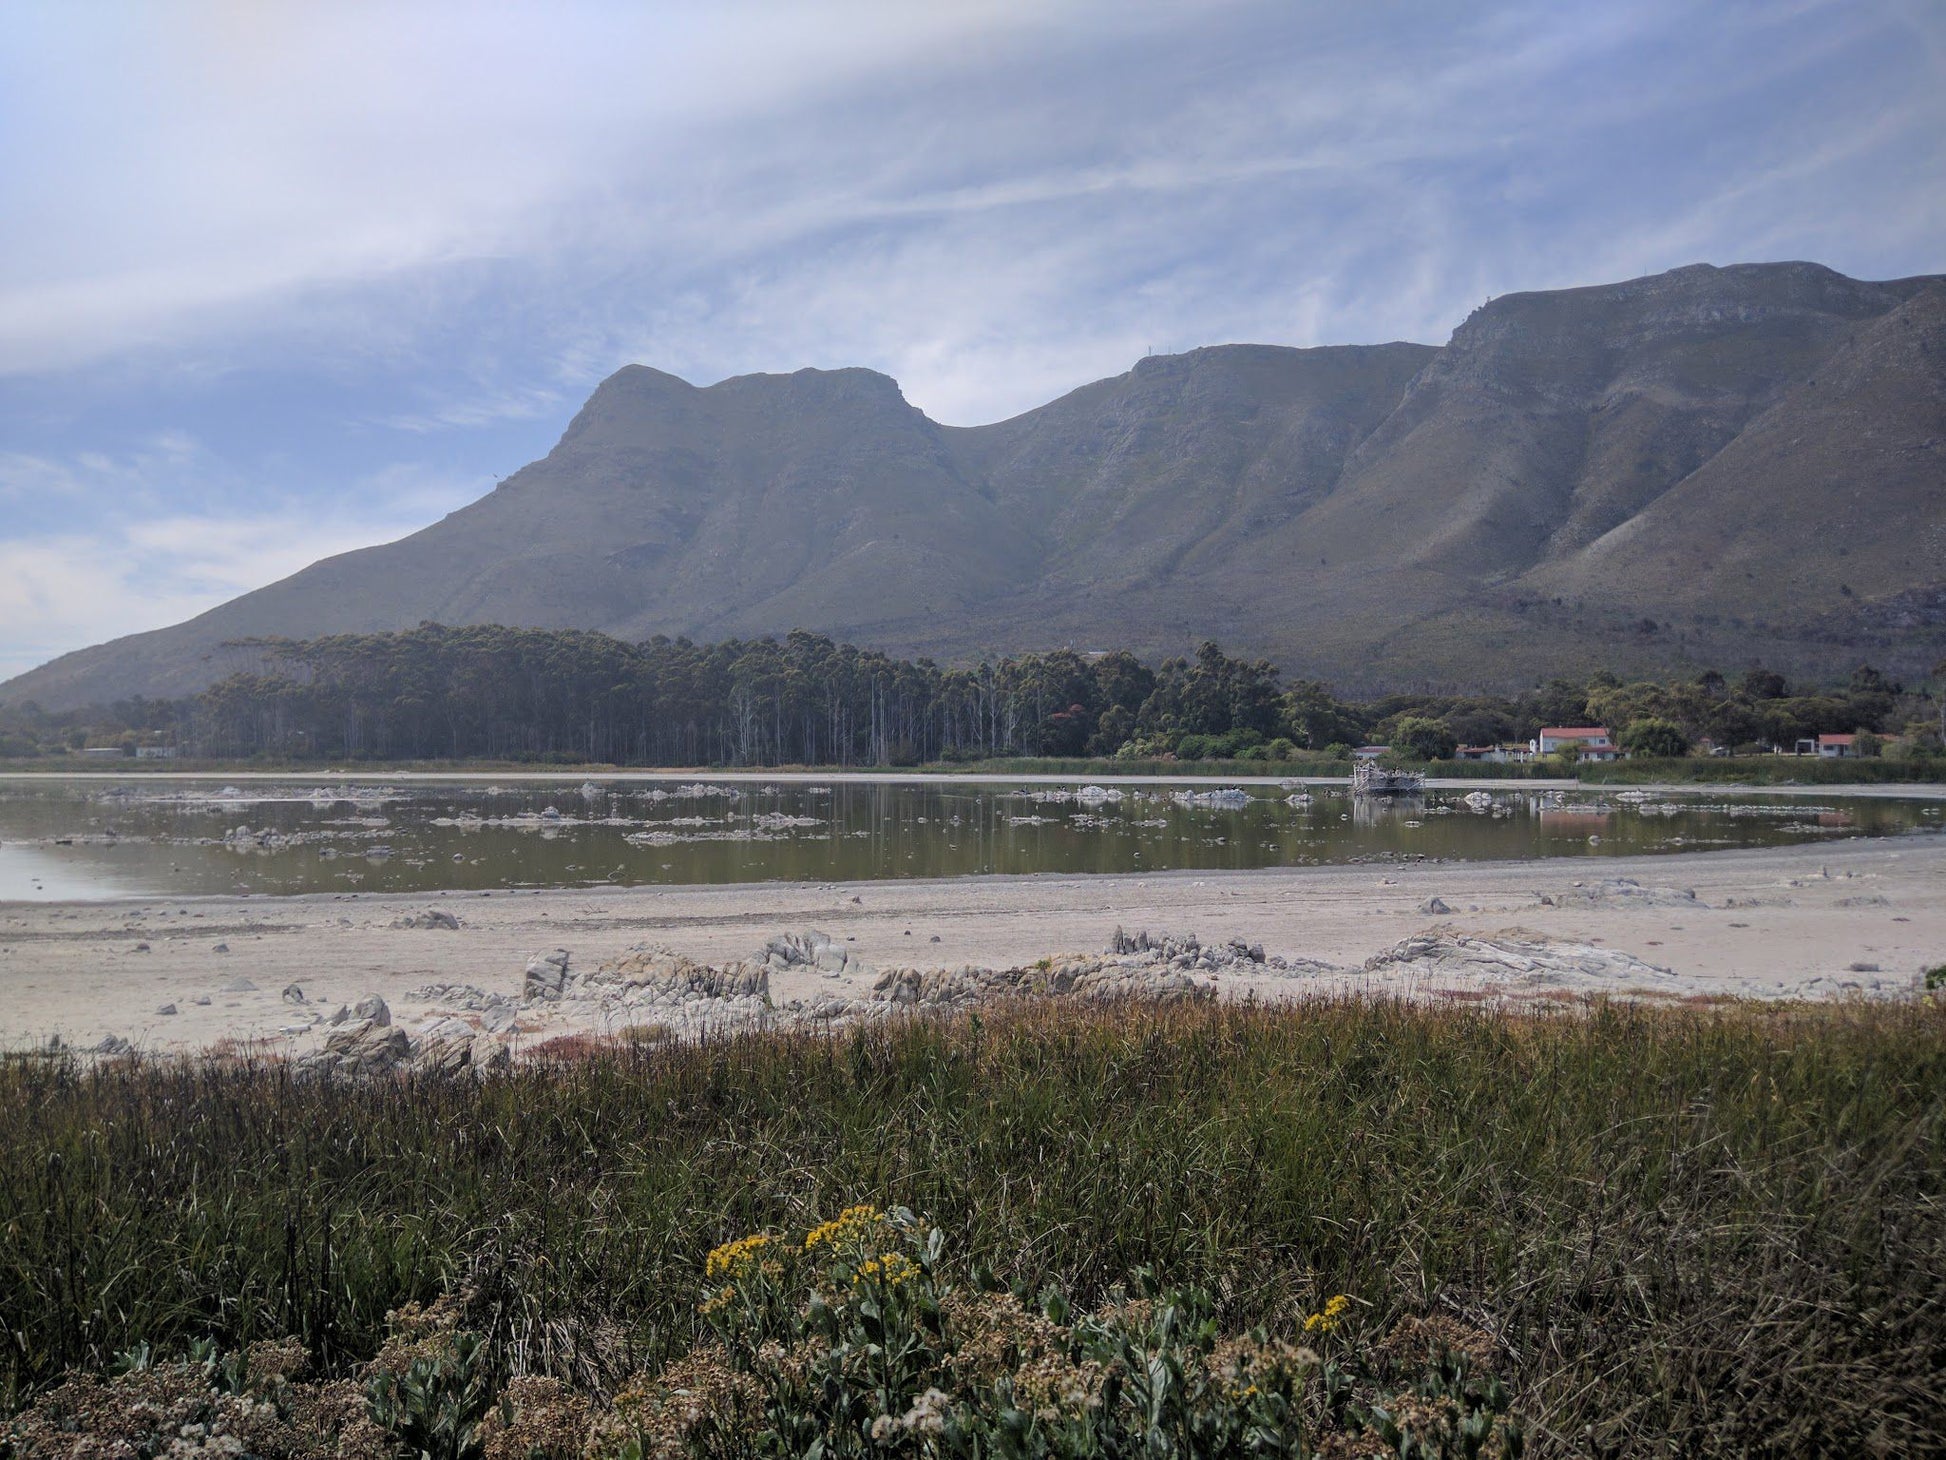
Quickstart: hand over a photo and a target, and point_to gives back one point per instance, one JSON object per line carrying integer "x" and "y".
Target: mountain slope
{"x": 1709, "y": 465}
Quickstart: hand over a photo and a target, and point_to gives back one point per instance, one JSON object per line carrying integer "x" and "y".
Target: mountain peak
{"x": 847, "y": 384}
{"x": 1745, "y": 457}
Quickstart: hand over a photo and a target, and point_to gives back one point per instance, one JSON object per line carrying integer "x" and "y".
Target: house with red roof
{"x": 1593, "y": 741}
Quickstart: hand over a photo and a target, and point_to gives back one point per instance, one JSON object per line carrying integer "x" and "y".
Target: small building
{"x": 155, "y": 752}
{"x": 1511, "y": 753}
{"x": 1371, "y": 752}
{"x": 1593, "y": 741}
{"x": 1837, "y": 747}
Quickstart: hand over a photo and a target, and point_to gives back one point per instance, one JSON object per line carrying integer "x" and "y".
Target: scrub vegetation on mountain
{"x": 1712, "y": 1231}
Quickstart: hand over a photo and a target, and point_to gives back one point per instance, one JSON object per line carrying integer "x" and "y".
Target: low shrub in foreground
{"x": 1694, "y": 1232}
{"x": 847, "y": 1341}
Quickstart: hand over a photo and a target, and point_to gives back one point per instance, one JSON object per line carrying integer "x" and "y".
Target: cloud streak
{"x": 328, "y": 251}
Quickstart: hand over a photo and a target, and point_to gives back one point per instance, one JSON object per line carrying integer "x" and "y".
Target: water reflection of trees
{"x": 1378, "y": 810}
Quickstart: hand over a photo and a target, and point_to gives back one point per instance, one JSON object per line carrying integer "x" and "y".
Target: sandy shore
{"x": 1810, "y": 921}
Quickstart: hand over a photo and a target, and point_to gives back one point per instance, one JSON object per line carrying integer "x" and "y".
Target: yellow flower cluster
{"x": 1333, "y": 1314}
{"x": 733, "y": 1257}
{"x": 892, "y": 1269}
{"x": 848, "y": 1226}
{"x": 717, "y": 1301}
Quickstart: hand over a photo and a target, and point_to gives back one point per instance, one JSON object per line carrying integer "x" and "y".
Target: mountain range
{"x": 1711, "y": 466}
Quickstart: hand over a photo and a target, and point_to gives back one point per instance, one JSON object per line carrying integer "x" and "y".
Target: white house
{"x": 1593, "y": 741}
{"x": 1837, "y": 747}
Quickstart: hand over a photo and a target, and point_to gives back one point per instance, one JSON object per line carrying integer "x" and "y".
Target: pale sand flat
{"x": 1808, "y": 913}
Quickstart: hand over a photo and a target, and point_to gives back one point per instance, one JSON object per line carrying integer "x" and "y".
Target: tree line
{"x": 568, "y": 696}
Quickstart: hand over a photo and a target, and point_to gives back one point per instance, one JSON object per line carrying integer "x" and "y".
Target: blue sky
{"x": 278, "y": 280}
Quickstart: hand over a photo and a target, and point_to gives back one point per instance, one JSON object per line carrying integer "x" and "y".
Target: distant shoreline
{"x": 472, "y": 775}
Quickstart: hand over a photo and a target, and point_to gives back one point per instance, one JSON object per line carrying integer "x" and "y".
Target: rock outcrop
{"x": 809, "y": 949}
{"x": 547, "y": 975}
{"x": 1516, "y": 961}
{"x": 1620, "y": 892}
{"x": 361, "y": 1048}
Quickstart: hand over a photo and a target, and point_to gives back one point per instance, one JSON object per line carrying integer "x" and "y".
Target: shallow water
{"x": 63, "y": 840}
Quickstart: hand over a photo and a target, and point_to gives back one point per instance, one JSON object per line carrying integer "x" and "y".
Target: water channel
{"x": 150, "y": 836}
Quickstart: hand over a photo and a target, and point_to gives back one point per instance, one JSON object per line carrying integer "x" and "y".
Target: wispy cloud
{"x": 64, "y": 592}
{"x": 113, "y": 557}
{"x": 260, "y": 257}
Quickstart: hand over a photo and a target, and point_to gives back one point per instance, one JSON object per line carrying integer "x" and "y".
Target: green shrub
{"x": 852, "y": 1340}
{"x": 1697, "y": 1232}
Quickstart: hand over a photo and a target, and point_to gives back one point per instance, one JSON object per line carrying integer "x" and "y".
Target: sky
{"x": 279, "y": 280}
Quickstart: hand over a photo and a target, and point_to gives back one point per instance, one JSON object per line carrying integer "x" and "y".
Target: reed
{"x": 1719, "y": 1230}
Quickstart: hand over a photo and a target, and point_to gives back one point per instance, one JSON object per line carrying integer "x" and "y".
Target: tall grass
{"x": 1717, "y": 1231}
{"x": 1763, "y": 770}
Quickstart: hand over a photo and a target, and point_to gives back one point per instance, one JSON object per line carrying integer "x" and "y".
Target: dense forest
{"x": 568, "y": 696}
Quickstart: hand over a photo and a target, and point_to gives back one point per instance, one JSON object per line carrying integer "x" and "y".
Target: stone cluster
{"x": 1517, "y": 960}
{"x": 809, "y": 949}
{"x": 1620, "y": 892}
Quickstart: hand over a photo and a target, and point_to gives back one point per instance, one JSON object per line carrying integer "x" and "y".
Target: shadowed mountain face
{"x": 1710, "y": 466}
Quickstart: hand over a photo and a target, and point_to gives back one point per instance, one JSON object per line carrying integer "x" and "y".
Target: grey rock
{"x": 547, "y": 975}
{"x": 238, "y": 986}
{"x": 374, "y": 1011}
{"x": 432, "y": 917}
{"x": 1620, "y": 892}
{"x": 363, "y": 1048}
{"x": 1185, "y": 952}
{"x": 342, "y": 1016}
{"x": 1516, "y": 961}
{"x": 221, "y": 948}
{"x": 1434, "y": 907}
{"x": 293, "y": 994}
{"x": 499, "y": 1019}
{"x": 165, "y": 1008}
{"x": 443, "y": 1056}
{"x": 809, "y": 949}
{"x": 651, "y": 974}
{"x": 112, "y": 1044}
{"x": 202, "y": 999}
